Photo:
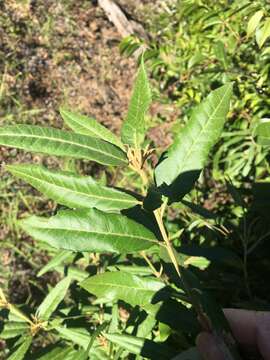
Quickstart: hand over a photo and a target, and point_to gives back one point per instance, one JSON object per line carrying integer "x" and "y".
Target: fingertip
{"x": 207, "y": 347}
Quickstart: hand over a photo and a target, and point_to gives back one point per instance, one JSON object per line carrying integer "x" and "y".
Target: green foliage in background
{"x": 197, "y": 46}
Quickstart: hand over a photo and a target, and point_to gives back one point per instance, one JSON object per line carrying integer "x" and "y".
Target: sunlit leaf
{"x": 55, "y": 261}
{"x": 133, "y": 130}
{"x": 181, "y": 165}
{"x": 53, "y": 299}
{"x": 22, "y": 350}
{"x": 72, "y": 190}
{"x": 263, "y": 33}
{"x": 254, "y": 22}
{"x": 88, "y": 126}
{"x": 130, "y": 288}
{"x": 262, "y": 132}
{"x": 90, "y": 230}
{"x": 61, "y": 143}
{"x": 13, "y": 329}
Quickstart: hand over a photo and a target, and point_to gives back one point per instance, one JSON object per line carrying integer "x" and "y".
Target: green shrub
{"x": 131, "y": 264}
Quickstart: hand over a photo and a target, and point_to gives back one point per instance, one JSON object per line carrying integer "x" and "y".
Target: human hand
{"x": 251, "y": 329}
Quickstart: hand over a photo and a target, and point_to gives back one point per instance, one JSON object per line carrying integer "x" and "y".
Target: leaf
{"x": 72, "y": 190}
{"x": 61, "y": 143}
{"x": 146, "y": 326}
{"x": 22, "y": 350}
{"x": 53, "y": 299}
{"x": 58, "y": 353}
{"x": 73, "y": 272}
{"x": 13, "y": 329}
{"x": 220, "y": 53}
{"x": 263, "y": 33}
{"x": 181, "y": 165}
{"x": 262, "y": 132}
{"x": 140, "y": 346}
{"x": 254, "y": 22}
{"x": 120, "y": 285}
{"x": 90, "y": 230}
{"x": 55, "y": 261}
{"x": 88, "y": 126}
{"x": 78, "y": 336}
{"x": 133, "y": 129}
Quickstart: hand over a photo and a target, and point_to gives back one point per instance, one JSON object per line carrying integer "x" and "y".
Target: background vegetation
{"x": 67, "y": 53}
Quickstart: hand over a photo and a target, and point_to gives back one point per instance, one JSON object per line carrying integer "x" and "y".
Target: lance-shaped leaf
{"x": 181, "y": 165}
{"x": 71, "y": 190}
{"x": 61, "y": 143}
{"x": 90, "y": 230}
{"x": 263, "y": 33}
{"x": 82, "y": 124}
{"x": 53, "y": 299}
{"x": 140, "y": 346}
{"x": 22, "y": 350}
{"x": 254, "y": 22}
{"x": 133, "y": 130}
{"x": 57, "y": 260}
{"x": 262, "y": 132}
{"x": 133, "y": 289}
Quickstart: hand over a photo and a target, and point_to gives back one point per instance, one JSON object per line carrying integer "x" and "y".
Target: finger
{"x": 243, "y": 324}
{"x": 251, "y": 328}
{"x": 207, "y": 347}
{"x": 263, "y": 333}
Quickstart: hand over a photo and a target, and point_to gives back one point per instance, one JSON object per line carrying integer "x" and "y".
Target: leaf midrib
{"x": 96, "y": 232}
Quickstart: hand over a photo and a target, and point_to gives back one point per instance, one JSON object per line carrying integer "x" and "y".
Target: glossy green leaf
{"x": 262, "y": 132}
{"x": 22, "y": 350}
{"x": 263, "y": 33}
{"x": 141, "y": 346}
{"x": 133, "y": 130}
{"x": 90, "y": 230}
{"x": 53, "y": 299}
{"x": 61, "y": 143}
{"x": 254, "y": 22}
{"x": 181, "y": 165}
{"x": 130, "y": 288}
{"x": 82, "y": 124}
{"x": 55, "y": 261}
{"x": 71, "y": 190}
